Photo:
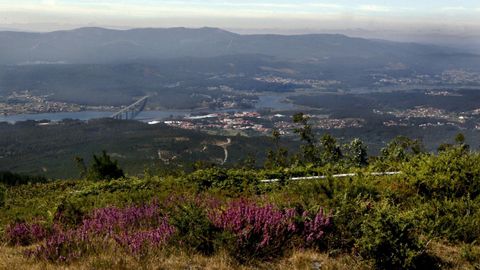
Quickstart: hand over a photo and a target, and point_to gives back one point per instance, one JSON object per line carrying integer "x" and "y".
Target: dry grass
{"x": 452, "y": 257}
{"x": 457, "y": 257}
{"x": 12, "y": 258}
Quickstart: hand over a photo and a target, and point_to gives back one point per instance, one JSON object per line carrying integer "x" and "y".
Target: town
{"x": 255, "y": 123}
{"x": 25, "y": 102}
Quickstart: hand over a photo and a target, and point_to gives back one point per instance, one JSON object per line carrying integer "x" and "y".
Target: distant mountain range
{"x": 98, "y": 66}
{"x": 99, "y": 46}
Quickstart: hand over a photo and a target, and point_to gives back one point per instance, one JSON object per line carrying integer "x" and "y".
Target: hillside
{"x": 31, "y": 147}
{"x": 98, "y": 45}
{"x": 423, "y": 217}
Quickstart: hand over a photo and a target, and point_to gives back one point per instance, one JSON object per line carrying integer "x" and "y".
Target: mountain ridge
{"x": 103, "y": 45}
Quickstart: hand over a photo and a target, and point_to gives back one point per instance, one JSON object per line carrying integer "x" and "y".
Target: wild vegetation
{"x": 424, "y": 217}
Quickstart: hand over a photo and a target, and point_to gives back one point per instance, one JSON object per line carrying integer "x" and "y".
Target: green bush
{"x": 451, "y": 173}
{"x": 195, "y": 231}
{"x": 350, "y": 214}
{"x": 388, "y": 240}
{"x": 69, "y": 213}
{"x": 233, "y": 180}
{"x": 452, "y": 219}
{"x": 15, "y": 179}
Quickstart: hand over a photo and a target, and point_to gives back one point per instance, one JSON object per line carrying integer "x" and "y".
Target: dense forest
{"x": 50, "y": 148}
{"x": 404, "y": 208}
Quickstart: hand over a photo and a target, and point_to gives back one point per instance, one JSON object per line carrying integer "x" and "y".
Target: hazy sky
{"x": 242, "y": 14}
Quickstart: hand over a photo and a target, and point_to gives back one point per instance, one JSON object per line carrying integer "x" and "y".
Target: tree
{"x": 401, "y": 148}
{"x": 80, "y": 162}
{"x": 309, "y": 151}
{"x": 460, "y": 140}
{"x": 357, "y": 153}
{"x": 305, "y": 130}
{"x": 331, "y": 152}
{"x": 459, "y": 144}
{"x": 249, "y": 162}
{"x": 103, "y": 168}
{"x": 444, "y": 147}
{"x": 277, "y": 157}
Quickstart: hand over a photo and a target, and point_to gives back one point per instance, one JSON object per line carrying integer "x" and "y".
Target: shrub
{"x": 15, "y": 179}
{"x": 194, "y": 230}
{"x": 349, "y": 216}
{"x": 24, "y": 234}
{"x": 61, "y": 246}
{"x": 469, "y": 253}
{"x": 452, "y": 173}
{"x": 264, "y": 232}
{"x": 141, "y": 242}
{"x": 206, "y": 178}
{"x": 314, "y": 227}
{"x": 69, "y": 213}
{"x": 452, "y": 219}
{"x": 216, "y": 178}
{"x": 388, "y": 240}
{"x": 137, "y": 229}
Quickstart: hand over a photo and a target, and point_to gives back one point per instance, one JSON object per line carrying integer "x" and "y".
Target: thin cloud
{"x": 173, "y": 9}
{"x": 454, "y": 8}
{"x": 235, "y": 13}
{"x": 374, "y": 8}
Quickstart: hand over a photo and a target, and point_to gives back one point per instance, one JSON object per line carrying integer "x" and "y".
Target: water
{"x": 86, "y": 115}
{"x": 271, "y": 101}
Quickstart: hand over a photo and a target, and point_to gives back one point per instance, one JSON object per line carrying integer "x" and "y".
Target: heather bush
{"x": 141, "y": 242}
{"x": 314, "y": 228}
{"x": 137, "y": 229}
{"x": 260, "y": 231}
{"x": 350, "y": 200}
{"x": 112, "y": 220}
{"x": 264, "y": 232}
{"x": 24, "y": 234}
{"x": 60, "y": 246}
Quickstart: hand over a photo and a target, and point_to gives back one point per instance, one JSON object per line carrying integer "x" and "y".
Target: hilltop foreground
{"x": 425, "y": 216}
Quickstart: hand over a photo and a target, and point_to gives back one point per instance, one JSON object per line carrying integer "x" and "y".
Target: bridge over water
{"x": 131, "y": 111}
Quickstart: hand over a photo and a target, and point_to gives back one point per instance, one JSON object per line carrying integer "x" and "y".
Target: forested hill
{"x": 50, "y": 148}
{"x": 99, "y": 45}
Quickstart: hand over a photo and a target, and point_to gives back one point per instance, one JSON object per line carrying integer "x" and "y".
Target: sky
{"x": 243, "y": 15}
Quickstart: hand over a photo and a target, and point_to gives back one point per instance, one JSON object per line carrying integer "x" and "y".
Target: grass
{"x": 451, "y": 257}
{"x": 12, "y": 258}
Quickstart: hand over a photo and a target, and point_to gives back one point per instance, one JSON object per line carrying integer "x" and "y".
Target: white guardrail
{"x": 333, "y": 176}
